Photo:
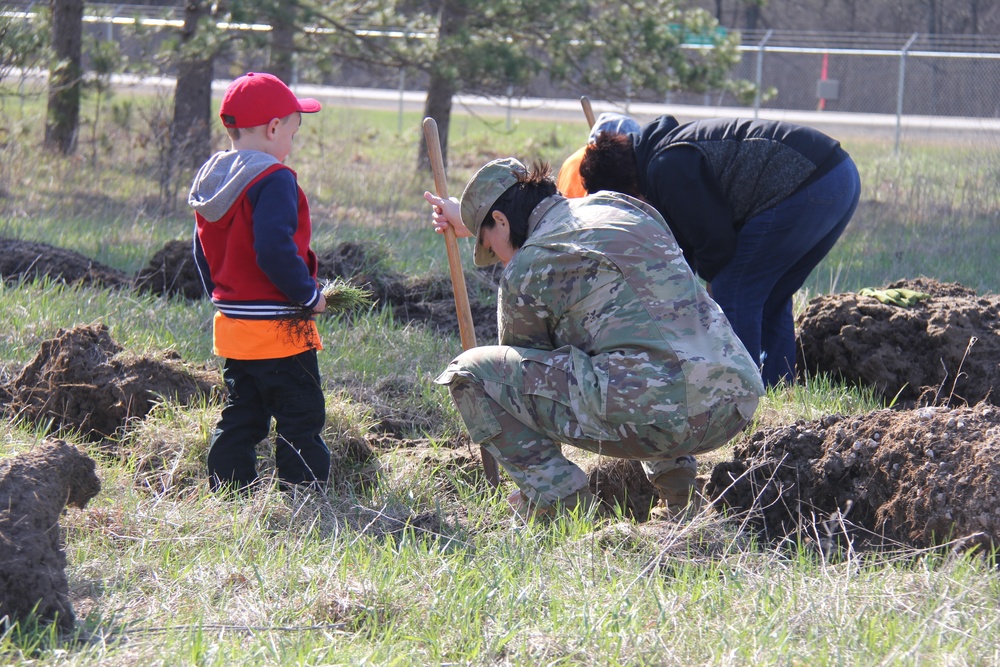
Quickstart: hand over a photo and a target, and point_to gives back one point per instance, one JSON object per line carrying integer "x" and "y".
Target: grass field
{"x": 163, "y": 573}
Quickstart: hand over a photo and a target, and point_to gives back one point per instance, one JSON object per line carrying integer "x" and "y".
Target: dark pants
{"x": 775, "y": 252}
{"x": 287, "y": 389}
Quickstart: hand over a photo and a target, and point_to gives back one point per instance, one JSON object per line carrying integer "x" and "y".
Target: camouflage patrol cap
{"x": 482, "y": 191}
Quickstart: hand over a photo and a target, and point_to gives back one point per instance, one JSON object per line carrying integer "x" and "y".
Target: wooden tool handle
{"x": 466, "y": 330}
{"x": 588, "y": 110}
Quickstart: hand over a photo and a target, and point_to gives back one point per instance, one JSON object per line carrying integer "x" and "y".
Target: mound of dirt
{"x": 915, "y": 477}
{"x": 427, "y": 300}
{"x": 458, "y": 460}
{"x": 431, "y": 301}
{"x": 943, "y": 350}
{"x": 28, "y": 260}
{"x": 34, "y": 490}
{"x": 82, "y": 379}
{"x": 365, "y": 265}
{"x": 172, "y": 271}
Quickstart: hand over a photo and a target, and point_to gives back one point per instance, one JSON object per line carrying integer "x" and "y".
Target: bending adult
{"x": 607, "y": 341}
{"x": 754, "y": 204}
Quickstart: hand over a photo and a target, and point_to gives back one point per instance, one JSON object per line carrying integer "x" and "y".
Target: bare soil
{"x": 34, "y": 489}
{"x": 425, "y": 300}
{"x": 82, "y": 379}
{"x": 942, "y": 351}
{"x": 395, "y": 407}
{"x": 172, "y": 271}
{"x": 915, "y": 477}
{"x": 620, "y": 484}
{"x": 29, "y": 260}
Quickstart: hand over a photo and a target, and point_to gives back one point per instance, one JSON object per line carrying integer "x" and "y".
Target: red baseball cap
{"x": 256, "y": 98}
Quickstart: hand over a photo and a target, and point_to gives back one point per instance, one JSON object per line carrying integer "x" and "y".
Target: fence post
{"x": 760, "y": 71}
{"x": 902, "y": 84}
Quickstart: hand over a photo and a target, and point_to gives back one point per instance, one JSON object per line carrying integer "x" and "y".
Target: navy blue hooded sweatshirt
{"x": 707, "y": 178}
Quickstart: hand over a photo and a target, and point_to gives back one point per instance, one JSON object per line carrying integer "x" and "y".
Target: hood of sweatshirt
{"x": 223, "y": 178}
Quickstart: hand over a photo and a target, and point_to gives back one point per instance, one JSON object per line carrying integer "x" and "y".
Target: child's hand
{"x": 447, "y": 212}
{"x": 320, "y": 305}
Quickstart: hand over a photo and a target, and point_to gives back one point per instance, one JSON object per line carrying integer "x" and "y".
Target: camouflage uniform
{"x": 607, "y": 343}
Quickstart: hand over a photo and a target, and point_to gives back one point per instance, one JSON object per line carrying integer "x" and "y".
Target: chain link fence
{"x": 918, "y": 74}
{"x": 951, "y": 77}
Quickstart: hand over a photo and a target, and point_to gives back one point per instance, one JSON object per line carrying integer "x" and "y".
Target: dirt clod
{"x": 396, "y": 406}
{"x": 621, "y": 483}
{"x": 942, "y": 351}
{"x": 30, "y": 260}
{"x": 34, "y": 490}
{"x": 172, "y": 271}
{"x": 82, "y": 379}
{"x": 365, "y": 265}
{"x": 913, "y": 477}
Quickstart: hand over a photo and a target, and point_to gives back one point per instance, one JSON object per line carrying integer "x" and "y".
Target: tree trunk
{"x": 63, "y": 114}
{"x": 282, "y": 60}
{"x": 752, "y": 16}
{"x": 443, "y": 87}
{"x": 933, "y": 20}
{"x": 437, "y": 106}
{"x": 191, "y": 129}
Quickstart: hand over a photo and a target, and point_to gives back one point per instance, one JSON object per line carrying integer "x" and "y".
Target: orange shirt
{"x": 569, "y": 182}
{"x": 263, "y": 339}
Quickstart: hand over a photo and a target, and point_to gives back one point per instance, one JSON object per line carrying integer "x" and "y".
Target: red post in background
{"x": 822, "y": 77}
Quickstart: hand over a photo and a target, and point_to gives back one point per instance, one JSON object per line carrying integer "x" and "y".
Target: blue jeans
{"x": 287, "y": 390}
{"x": 775, "y": 252}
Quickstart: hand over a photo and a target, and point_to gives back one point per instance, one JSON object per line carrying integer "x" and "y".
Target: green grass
{"x": 36, "y": 310}
{"x": 419, "y": 565}
{"x": 929, "y": 211}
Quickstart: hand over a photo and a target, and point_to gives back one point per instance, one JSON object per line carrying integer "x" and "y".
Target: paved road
{"x": 839, "y": 124}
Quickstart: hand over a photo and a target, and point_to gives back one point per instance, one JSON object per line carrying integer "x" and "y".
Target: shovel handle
{"x": 588, "y": 110}
{"x": 466, "y": 330}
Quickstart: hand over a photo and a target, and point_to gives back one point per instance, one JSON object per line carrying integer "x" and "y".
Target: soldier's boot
{"x": 679, "y": 494}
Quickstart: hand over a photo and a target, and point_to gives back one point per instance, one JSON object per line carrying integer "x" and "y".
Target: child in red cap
{"x": 252, "y": 249}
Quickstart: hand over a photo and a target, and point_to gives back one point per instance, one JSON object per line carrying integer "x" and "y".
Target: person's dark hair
{"x": 609, "y": 164}
{"x": 520, "y": 199}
